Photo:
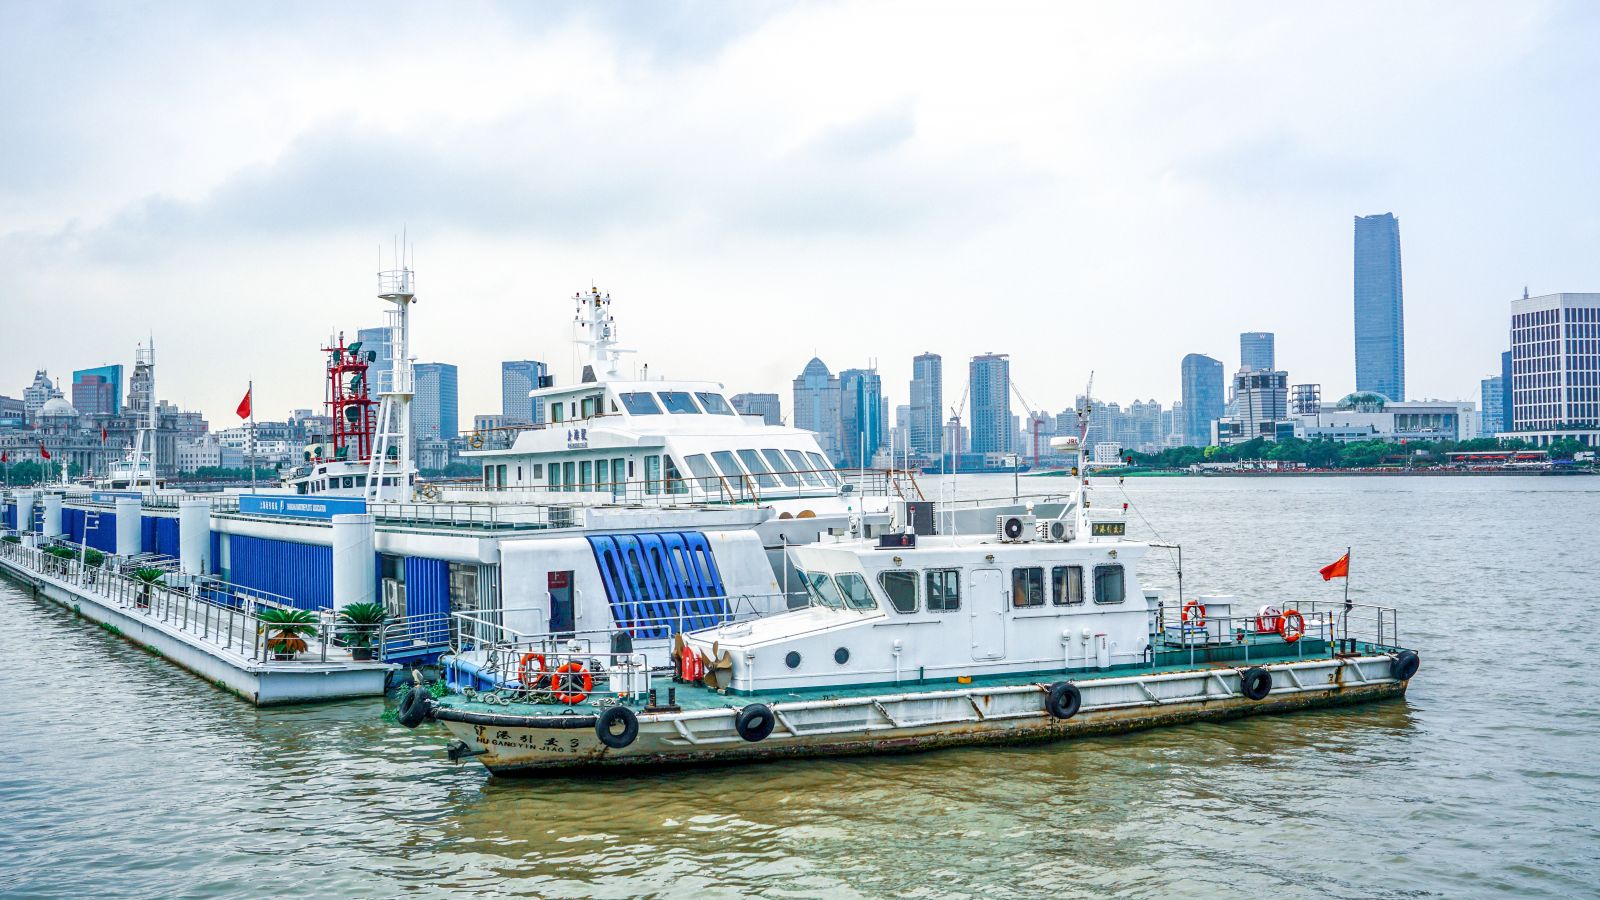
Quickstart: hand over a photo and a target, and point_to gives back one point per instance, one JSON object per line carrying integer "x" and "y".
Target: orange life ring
{"x": 1269, "y": 619}
{"x": 564, "y": 690}
{"x": 522, "y": 669}
{"x": 1198, "y": 618}
{"x": 1292, "y": 633}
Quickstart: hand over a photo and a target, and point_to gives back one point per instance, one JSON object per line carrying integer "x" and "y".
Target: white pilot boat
{"x": 1043, "y": 630}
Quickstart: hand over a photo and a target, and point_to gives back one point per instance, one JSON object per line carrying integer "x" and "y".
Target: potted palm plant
{"x": 149, "y": 577}
{"x": 359, "y": 624}
{"x": 287, "y": 629}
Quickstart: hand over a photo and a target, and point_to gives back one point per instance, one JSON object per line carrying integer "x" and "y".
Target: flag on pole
{"x": 42, "y": 451}
{"x": 244, "y": 405}
{"x": 5, "y": 456}
{"x": 1337, "y": 569}
{"x": 102, "y": 434}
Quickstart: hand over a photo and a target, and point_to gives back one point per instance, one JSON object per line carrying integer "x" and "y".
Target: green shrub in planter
{"x": 287, "y": 629}
{"x": 359, "y": 624}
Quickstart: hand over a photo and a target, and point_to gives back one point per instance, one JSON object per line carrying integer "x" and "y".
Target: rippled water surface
{"x": 122, "y": 775}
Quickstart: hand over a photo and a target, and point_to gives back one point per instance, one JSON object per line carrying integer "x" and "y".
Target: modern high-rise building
{"x": 517, "y": 378}
{"x": 767, "y": 406}
{"x": 1256, "y": 351}
{"x": 989, "y": 385}
{"x": 37, "y": 394}
{"x": 108, "y": 375}
{"x": 816, "y": 405}
{"x": 927, "y": 405}
{"x": 1261, "y": 400}
{"x": 435, "y": 411}
{"x": 1491, "y": 412}
{"x": 860, "y": 416}
{"x": 92, "y": 395}
{"x": 380, "y": 341}
{"x": 1379, "y": 307}
{"x": 1555, "y": 368}
{"x": 1202, "y": 398}
{"x": 1505, "y": 386}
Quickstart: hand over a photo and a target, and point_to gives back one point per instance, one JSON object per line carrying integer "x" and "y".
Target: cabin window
{"x": 702, "y": 472}
{"x": 602, "y": 475}
{"x": 652, "y": 474}
{"x": 1027, "y": 587}
{"x": 821, "y": 589}
{"x": 753, "y": 464}
{"x": 714, "y": 403}
{"x": 538, "y": 471}
{"x": 585, "y": 475}
{"x": 803, "y": 468}
{"x": 822, "y": 468}
{"x": 901, "y": 586}
{"x": 555, "y": 476}
{"x": 674, "y": 477}
{"x": 725, "y": 462}
{"x": 1066, "y": 585}
{"x": 856, "y": 593}
{"x": 678, "y": 402}
{"x": 588, "y": 407}
{"x": 944, "y": 590}
{"x": 555, "y": 412}
{"x": 1108, "y": 584}
{"x": 519, "y": 475}
{"x": 781, "y": 468}
{"x": 567, "y": 480}
{"x": 640, "y": 403}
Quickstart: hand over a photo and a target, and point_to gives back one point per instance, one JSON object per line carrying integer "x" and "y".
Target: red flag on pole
{"x": 42, "y": 451}
{"x": 244, "y": 405}
{"x": 1338, "y": 569}
{"x": 102, "y": 434}
{"x": 5, "y": 457}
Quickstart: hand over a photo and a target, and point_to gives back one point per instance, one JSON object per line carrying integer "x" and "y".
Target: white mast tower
{"x": 144, "y": 441}
{"x": 598, "y": 331}
{"x": 389, "y": 476}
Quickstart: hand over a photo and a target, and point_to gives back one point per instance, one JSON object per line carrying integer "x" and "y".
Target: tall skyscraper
{"x": 1380, "y": 307}
{"x": 380, "y": 341}
{"x": 109, "y": 375}
{"x": 1555, "y": 367}
{"x": 1505, "y": 385}
{"x": 1202, "y": 398}
{"x": 989, "y": 384}
{"x": 1256, "y": 351}
{"x": 1261, "y": 400}
{"x": 517, "y": 378}
{"x": 816, "y": 405}
{"x": 860, "y": 416}
{"x": 1491, "y": 413}
{"x": 927, "y": 404}
{"x": 435, "y": 410}
{"x": 767, "y": 406}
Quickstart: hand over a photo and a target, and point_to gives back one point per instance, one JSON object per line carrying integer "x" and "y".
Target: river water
{"x": 123, "y": 776}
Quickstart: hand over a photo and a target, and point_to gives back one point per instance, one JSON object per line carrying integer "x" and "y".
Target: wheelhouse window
{"x": 821, "y": 589}
{"x": 714, "y": 403}
{"x": 589, "y": 407}
{"x": 639, "y": 403}
{"x": 1108, "y": 586}
{"x": 1027, "y": 587}
{"x": 944, "y": 590}
{"x": 1066, "y": 585}
{"x": 857, "y": 595}
{"x": 901, "y": 588}
{"x": 754, "y": 465}
{"x": 555, "y": 412}
{"x": 678, "y": 402}
{"x": 781, "y": 468}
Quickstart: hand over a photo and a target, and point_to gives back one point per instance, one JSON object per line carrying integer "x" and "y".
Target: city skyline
{"x": 928, "y": 190}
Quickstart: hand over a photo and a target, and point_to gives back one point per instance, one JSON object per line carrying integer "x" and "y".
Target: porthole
{"x": 792, "y": 660}
{"x": 841, "y": 656}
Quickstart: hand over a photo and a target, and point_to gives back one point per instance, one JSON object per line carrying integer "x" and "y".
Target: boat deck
{"x": 1256, "y": 649}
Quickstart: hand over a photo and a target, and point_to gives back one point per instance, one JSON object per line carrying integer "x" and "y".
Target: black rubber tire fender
{"x": 1255, "y": 683}
{"x": 604, "y": 725}
{"x": 1063, "y": 700}
{"x": 755, "y": 722}
{"x": 1406, "y": 664}
{"x": 415, "y": 707}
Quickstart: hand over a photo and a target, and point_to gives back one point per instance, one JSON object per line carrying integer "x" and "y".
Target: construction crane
{"x": 955, "y": 413}
{"x": 1034, "y": 420}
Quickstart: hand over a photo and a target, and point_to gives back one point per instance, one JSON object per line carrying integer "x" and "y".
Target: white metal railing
{"x": 693, "y": 490}
{"x": 1192, "y": 628}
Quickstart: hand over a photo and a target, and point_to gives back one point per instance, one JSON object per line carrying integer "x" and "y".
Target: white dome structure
{"x": 57, "y": 407}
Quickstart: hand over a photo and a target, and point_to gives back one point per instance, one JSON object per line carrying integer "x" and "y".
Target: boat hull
{"x": 514, "y": 745}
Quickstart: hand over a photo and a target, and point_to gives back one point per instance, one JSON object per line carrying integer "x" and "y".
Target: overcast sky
{"x": 1096, "y": 187}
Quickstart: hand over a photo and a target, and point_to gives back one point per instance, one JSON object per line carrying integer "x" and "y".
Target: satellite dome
{"x": 56, "y": 406}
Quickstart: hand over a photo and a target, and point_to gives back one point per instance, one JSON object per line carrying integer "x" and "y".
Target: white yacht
{"x": 615, "y": 439}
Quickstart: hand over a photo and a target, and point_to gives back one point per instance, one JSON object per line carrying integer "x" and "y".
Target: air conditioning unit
{"x": 1014, "y": 529}
{"x": 1057, "y": 530}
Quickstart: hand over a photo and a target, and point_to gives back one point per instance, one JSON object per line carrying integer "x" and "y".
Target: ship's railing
{"x": 692, "y": 490}
{"x": 1332, "y": 622}
{"x": 568, "y": 678}
{"x": 405, "y": 636}
{"x": 478, "y": 515}
{"x": 215, "y": 612}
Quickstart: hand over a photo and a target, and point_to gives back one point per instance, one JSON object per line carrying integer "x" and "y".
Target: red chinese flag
{"x": 5, "y": 457}
{"x": 42, "y": 451}
{"x": 244, "y": 405}
{"x": 1339, "y": 569}
{"x": 102, "y": 434}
